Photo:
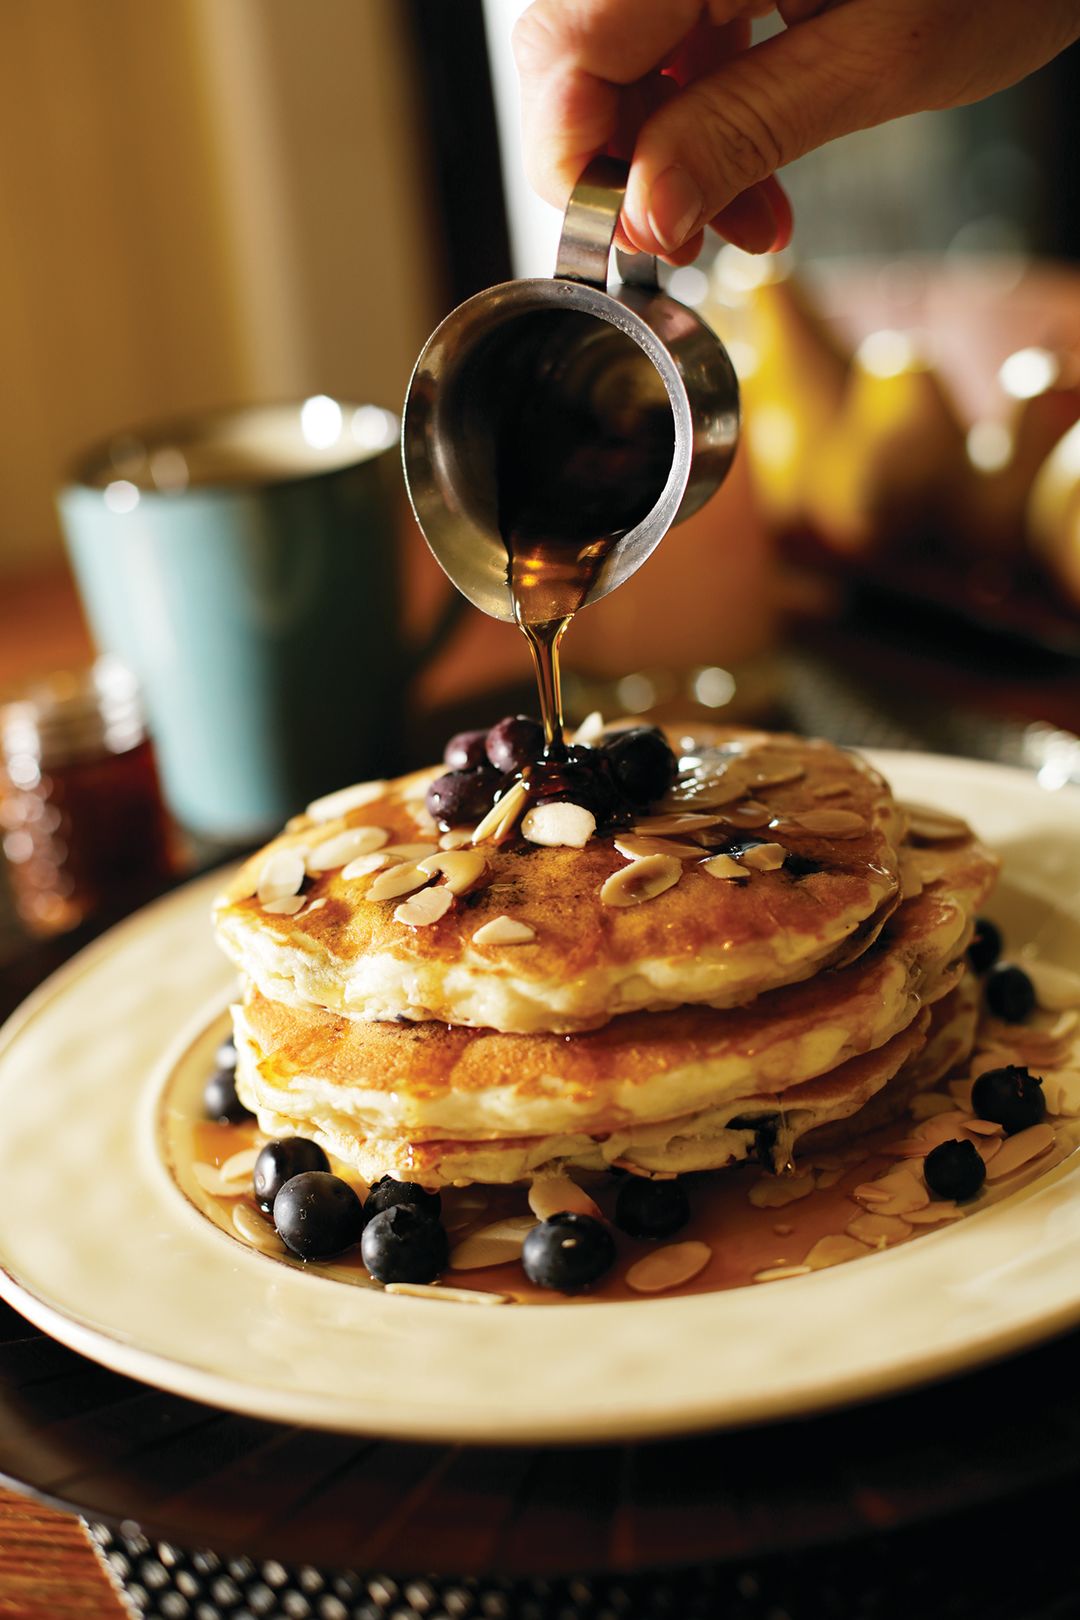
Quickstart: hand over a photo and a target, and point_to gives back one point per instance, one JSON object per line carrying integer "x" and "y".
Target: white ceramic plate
{"x": 98, "y": 1248}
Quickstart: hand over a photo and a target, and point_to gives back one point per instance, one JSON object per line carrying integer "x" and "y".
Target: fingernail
{"x": 675, "y": 207}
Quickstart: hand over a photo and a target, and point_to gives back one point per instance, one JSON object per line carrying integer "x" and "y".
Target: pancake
{"x": 770, "y": 1127}
{"x": 706, "y": 940}
{"x": 438, "y": 1103}
{"x": 431, "y": 1080}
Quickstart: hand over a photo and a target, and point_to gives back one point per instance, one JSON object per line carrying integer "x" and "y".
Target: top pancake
{"x": 706, "y": 940}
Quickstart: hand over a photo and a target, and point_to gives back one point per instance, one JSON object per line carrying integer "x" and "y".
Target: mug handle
{"x": 589, "y": 228}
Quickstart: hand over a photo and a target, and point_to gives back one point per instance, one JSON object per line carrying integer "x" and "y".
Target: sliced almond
{"x": 559, "y": 825}
{"x": 345, "y": 847}
{"x": 425, "y": 907}
{"x": 641, "y": 880}
{"x": 399, "y": 880}
{"x": 674, "y": 823}
{"x": 1020, "y": 1149}
{"x": 495, "y": 1245}
{"x": 773, "y": 1192}
{"x": 249, "y": 1224}
{"x": 504, "y": 930}
{"x": 903, "y": 1190}
{"x": 764, "y": 857}
{"x": 776, "y": 774}
{"x": 501, "y": 819}
{"x": 929, "y": 825}
{"x": 411, "y": 852}
{"x": 552, "y": 1195}
{"x": 590, "y": 730}
{"x": 778, "y": 1273}
{"x": 333, "y": 805}
{"x": 750, "y": 814}
{"x": 462, "y": 868}
{"x": 635, "y": 846}
{"x": 364, "y": 865}
{"x": 454, "y": 1296}
{"x": 830, "y": 790}
{"x": 457, "y": 838}
{"x": 240, "y": 1165}
{"x": 280, "y": 876}
{"x": 878, "y": 1230}
{"x": 835, "y": 1250}
{"x": 936, "y": 1210}
{"x": 668, "y": 1267}
{"x": 723, "y": 866}
{"x": 1062, "y": 1092}
{"x": 983, "y": 1127}
{"x": 284, "y": 908}
{"x": 831, "y": 823}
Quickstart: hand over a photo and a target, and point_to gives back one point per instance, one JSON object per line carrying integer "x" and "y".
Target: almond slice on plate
{"x": 668, "y": 1267}
{"x": 552, "y": 1195}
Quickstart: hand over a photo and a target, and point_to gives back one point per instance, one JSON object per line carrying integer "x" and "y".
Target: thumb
{"x": 726, "y": 132}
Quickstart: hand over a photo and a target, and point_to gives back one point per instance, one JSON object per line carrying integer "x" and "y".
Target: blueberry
{"x": 985, "y": 947}
{"x": 583, "y": 776}
{"x": 651, "y": 1209}
{"x": 515, "y": 742}
{"x": 1012, "y": 1097}
{"x": 466, "y": 750}
{"x": 568, "y": 1252}
{"x": 402, "y": 1244}
{"x": 460, "y": 796}
{"x": 954, "y": 1170}
{"x": 643, "y": 763}
{"x": 279, "y": 1162}
{"x": 1010, "y": 994}
{"x": 318, "y": 1215}
{"x": 225, "y": 1056}
{"x": 386, "y": 1192}
{"x": 220, "y": 1101}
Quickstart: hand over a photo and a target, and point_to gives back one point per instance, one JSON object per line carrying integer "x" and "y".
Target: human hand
{"x": 674, "y": 86}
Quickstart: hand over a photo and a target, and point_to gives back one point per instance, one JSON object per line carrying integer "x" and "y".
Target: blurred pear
{"x": 1053, "y": 514}
{"x": 792, "y": 391}
{"x": 1044, "y": 392}
{"x": 893, "y": 463}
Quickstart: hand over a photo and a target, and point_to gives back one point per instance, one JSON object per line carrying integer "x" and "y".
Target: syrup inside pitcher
{"x": 582, "y": 455}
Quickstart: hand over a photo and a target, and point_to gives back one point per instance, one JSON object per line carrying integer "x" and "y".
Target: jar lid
{"x": 74, "y": 714}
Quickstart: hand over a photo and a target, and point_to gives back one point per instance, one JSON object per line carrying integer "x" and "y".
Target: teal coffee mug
{"x": 245, "y": 566}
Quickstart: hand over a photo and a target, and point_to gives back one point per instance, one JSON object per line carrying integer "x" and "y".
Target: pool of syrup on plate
{"x": 746, "y": 1242}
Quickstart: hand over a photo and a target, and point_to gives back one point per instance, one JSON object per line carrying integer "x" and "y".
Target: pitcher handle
{"x": 589, "y": 228}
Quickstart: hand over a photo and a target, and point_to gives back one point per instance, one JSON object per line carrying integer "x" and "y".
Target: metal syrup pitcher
{"x": 585, "y": 419}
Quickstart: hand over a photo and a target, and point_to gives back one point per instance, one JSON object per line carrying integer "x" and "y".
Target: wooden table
{"x": 47, "y": 1568}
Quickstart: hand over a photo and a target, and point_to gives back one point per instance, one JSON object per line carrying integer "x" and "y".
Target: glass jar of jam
{"x": 81, "y": 819}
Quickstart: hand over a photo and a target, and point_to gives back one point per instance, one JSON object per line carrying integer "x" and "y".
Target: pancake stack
{"x": 775, "y": 948}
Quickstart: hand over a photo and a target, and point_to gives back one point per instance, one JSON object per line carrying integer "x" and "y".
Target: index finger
{"x": 575, "y": 58}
